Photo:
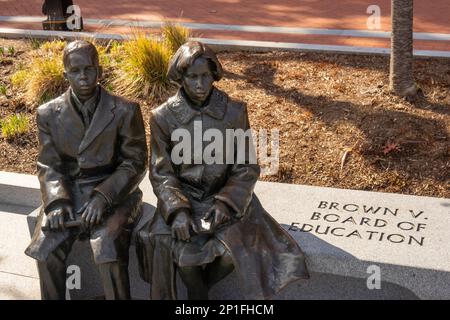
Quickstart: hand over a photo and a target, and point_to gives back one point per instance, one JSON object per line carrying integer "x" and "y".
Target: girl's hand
{"x": 219, "y": 213}
{"x": 181, "y": 225}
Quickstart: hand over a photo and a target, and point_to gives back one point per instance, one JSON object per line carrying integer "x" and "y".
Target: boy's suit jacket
{"x": 109, "y": 157}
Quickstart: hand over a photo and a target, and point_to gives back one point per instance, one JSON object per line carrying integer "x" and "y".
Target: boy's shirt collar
{"x": 90, "y": 104}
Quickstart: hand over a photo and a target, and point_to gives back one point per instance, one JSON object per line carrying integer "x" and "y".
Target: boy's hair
{"x": 80, "y": 45}
{"x": 185, "y": 57}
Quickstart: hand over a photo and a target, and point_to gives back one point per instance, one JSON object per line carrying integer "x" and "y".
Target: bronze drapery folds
{"x": 242, "y": 235}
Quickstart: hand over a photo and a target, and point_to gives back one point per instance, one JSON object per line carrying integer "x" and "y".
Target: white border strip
{"x": 221, "y": 44}
{"x": 267, "y": 45}
{"x": 48, "y": 34}
{"x": 22, "y": 19}
{"x": 243, "y": 28}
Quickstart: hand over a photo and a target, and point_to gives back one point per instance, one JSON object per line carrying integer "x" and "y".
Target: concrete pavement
{"x": 18, "y": 273}
{"x": 344, "y": 233}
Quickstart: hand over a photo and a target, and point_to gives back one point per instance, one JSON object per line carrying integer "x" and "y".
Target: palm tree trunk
{"x": 401, "y": 66}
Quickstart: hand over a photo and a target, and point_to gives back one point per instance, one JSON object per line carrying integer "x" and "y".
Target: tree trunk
{"x": 401, "y": 66}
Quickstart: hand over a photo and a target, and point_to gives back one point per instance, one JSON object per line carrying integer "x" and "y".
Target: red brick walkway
{"x": 430, "y": 16}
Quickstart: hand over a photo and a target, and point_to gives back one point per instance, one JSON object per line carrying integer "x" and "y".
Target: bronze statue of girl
{"x": 208, "y": 220}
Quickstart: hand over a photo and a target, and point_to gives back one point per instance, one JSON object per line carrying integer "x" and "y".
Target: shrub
{"x": 35, "y": 43}
{"x": 136, "y": 68}
{"x": 11, "y": 51}
{"x": 141, "y": 67}
{"x": 115, "y": 51}
{"x": 14, "y": 125}
{"x": 102, "y": 49}
{"x": 103, "y": 58}
{"x": 18, "y": 78}
{"x": 44, "y": 79}
{"x": 47, "y": 80}
{"x": 3, "y": 90}
{"x": 175, "y": 35}
{"x": 55, "y": 46}
{"x": 41, "y": 78}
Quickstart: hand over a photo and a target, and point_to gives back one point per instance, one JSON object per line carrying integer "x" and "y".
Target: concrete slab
{"x": 17, "y": 209}
{"x": 21, "y": 190}
{"x": 344, "y": 232}
{"x": 18, "y": 287}
{"x": 18, "y": 273}
{"x": 350, "y": 238}
{"x": 320, "y": 287}
{"x": 14, "y": 238}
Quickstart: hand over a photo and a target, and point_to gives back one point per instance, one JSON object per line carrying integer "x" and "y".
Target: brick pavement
{"x": 430, "y": 16}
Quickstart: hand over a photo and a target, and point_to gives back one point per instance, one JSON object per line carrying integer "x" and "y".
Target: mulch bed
{"x": 339, "y": 125}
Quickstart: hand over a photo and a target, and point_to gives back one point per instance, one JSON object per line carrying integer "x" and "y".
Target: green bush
{"x": 41, "y": 78}
{"x": 44, "y": 78}
{"x": 175, "y": 35}
{"x": 18, "y": 78}
{"x": 14, "y": 125}
{"x": 35, "y": 43}
{"x": 136, "y": 68}
{"x": 55, "y": 47}
{"x": 140, "y": 71}
{"x": 11, "y": 51}
{"x": 115, "y": 51}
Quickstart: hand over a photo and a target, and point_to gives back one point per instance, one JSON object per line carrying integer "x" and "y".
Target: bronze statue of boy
{"x": 92, "y": 157}
{"x": 208, "y": 221}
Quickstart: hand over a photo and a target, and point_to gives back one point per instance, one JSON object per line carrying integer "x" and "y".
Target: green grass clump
{"x": 55, "y": 46}
{"x": 14, "y": 125}
{"x": 35, "y": 43}
{"x": 116, "y": 51}
{"x": 47, "y": 80}
{"x": 19, "y": 78}
{"x": 175, "y": 35}
{"x": 135, "y": 68}
{"x": 41, "y": 78}
{"x": 104, "y": 58}
{"x": 3, "y": 90}
{"x": 140, "y": 71}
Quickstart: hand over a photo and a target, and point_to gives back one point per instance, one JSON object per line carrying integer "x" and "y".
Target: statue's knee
{"x": 55, "y": 259}
{"x": 227, "y": 260}
{"x": 191, "y": 275}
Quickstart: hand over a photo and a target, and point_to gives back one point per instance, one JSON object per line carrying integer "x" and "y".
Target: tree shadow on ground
{"x": 424, "y": 141}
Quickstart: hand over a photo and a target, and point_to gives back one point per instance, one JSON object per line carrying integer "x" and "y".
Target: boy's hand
{"x": 57, "y": 216}
{"x": 94, "y": 212}
{"x": 220, "y": 214}
{"x": 181, "y": 225}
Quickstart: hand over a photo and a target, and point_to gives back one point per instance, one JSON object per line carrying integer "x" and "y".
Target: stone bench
{"x": 351, "y": 239}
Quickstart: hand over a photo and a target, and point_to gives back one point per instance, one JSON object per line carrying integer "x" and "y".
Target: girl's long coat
{"x": 265, "y": 256}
